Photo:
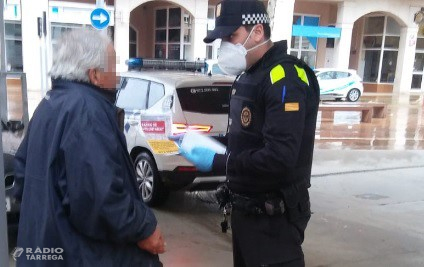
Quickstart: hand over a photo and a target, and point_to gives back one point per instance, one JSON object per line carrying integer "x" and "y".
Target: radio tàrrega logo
{"x": 17, "y": 252}
{"x": 38, "y": 253}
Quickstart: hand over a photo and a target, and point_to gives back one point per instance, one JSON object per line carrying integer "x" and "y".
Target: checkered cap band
{"x": 253, "y": 19}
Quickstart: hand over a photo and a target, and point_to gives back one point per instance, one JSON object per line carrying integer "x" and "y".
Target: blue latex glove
{"x": 201, "y": 157}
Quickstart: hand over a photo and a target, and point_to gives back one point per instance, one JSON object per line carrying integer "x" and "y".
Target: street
{"x": 362, "y": 216}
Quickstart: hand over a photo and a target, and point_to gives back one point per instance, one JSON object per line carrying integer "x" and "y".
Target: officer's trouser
{"x": 263, "y": 240}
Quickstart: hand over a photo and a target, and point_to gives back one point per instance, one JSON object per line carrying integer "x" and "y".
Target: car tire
{"x": 9, "y": 169}
{"x": 8, "y": 163}
{"x": 353, "y": 95}
{"x": 13, "y": 215}
{"x": 150, "y": 185}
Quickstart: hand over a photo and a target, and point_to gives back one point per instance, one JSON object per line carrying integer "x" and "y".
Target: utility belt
{"x": 270, "y": 205}
{"x": 292, "y": 201}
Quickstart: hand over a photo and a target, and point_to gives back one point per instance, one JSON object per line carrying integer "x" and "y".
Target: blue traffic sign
{"x": 99, "y": 18}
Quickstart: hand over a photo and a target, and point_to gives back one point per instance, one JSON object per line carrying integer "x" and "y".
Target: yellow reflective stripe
{"x": 277, "y": 73}
{"x": 302, "y": 74}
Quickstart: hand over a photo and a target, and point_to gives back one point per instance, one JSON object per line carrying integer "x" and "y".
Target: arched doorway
{"x": 166, "y": 30}
{"x": 375, "y": 50}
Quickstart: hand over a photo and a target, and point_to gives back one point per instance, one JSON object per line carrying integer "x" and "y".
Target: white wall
{"x": 200, "y": 28}
{"x": 122, "y": 35}
{"x": 36, "y": 51}
{"x": 34, "y": 48}
{"x": 76, "y": 13}
{"x": 282, "y": 20}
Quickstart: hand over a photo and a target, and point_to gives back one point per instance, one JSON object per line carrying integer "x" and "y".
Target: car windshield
{"x": 207, "y": 100}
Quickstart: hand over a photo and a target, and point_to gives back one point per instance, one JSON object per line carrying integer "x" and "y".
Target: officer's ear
{"x": 258, "y": 33}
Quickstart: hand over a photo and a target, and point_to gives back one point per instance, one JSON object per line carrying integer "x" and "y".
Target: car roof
{"x": 179, "y": 78}
{"x": 334, "y": 69}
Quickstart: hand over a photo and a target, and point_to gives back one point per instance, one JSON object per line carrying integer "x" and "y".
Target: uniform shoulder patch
{"x": 301, "y": 73}
{"x": 277, "y": 73}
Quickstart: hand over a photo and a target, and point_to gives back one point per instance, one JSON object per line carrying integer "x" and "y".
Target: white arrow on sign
{"x": 102, "y": 18}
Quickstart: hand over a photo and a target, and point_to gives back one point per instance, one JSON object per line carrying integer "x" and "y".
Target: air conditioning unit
{"x": 187, "y": 19}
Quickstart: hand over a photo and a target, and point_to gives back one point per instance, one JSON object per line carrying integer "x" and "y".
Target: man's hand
{"x": 201, "y": 157}
{"x": 154, "y": 243}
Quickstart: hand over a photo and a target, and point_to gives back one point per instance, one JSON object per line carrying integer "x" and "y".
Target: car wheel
{"x": 353, "y": 95}
{"x": 9, "y": 173}
{"x": 8, "y": 163}
{"x": 13, "y": 214}
{"x": 149, "y": 183}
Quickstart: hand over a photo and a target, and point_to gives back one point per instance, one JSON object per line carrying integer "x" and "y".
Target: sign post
{"x": 3, "y": 89}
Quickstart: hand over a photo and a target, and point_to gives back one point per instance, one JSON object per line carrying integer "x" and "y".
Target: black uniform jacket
{"x": 78, "y": 186}
{"x": 272, "y": 124}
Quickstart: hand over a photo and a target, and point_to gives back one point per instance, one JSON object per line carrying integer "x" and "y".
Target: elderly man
{"x": 80, "y": 205}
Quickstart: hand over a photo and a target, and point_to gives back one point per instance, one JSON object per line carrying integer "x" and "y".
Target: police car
{"x": 162, "y": 104}
{"x": 212, "y": 67}
{"x": 339, "y": 84}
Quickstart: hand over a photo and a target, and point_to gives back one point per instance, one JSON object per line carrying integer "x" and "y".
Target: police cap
{"x": 231, "y": 14}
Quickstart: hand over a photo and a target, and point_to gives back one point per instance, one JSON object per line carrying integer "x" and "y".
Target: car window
{"x": 342, "y": 74}
{"x": 328, "y": 75}
{"x": 206, "y": 100}
{"x": 156, "y": 92}
{"x": 133, "y": 95}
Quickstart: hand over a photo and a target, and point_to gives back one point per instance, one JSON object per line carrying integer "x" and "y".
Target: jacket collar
{"x": 272, "y": 56}
{"x": 109, "y": 95}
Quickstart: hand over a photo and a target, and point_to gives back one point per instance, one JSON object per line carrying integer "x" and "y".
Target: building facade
{"x": 377, "y": 38}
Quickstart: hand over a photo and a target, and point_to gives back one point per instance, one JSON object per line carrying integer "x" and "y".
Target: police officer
{"x": 272, "y": 120}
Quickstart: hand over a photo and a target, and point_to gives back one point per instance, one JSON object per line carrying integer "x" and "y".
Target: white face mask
{"x": 232, "y": 57}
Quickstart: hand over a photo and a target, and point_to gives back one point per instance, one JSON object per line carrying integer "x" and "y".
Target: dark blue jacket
{"x": 78, "y": 186}
{"x": 272, "y": 120}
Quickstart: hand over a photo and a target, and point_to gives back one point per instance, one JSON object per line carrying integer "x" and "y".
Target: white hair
{"x": 78, "y": 51}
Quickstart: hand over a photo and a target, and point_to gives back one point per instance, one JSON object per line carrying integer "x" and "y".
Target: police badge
{"x": 246, "y": 117}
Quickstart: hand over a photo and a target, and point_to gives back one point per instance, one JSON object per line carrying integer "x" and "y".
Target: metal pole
{"x": 100, "y": 3}
{"x": 25, "y": 114}
{"x": 4, "y": 248}
{"x": 3, "y": 88}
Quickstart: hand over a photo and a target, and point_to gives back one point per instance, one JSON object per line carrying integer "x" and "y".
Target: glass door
{"x": 418, "y": 72}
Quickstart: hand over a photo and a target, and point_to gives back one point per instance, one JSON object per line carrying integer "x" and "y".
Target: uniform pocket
{"x": 298, "y": 208}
